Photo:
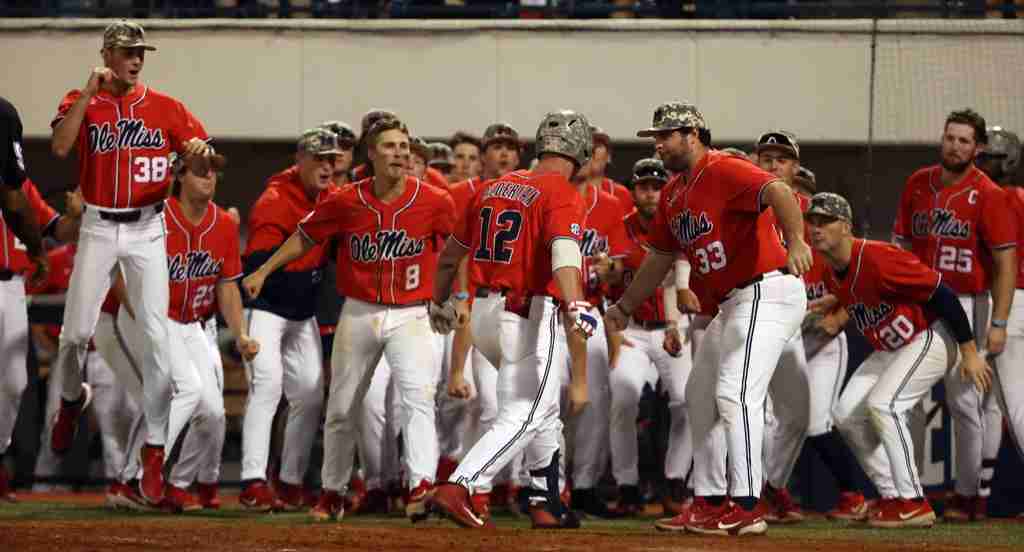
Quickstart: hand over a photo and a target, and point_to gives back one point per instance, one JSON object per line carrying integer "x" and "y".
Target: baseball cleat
{"x": 177, "y": 500}
{"x": 292, "y": 497}
{"x": 66, "y": 422}
{"x": 588, "y": 502}
{"x": 959, "y": 509}
{"x": 452, "y": 501}
{"x": 732, "y": 520}
{"x": 895, "y": 513}
{"x": 559, "y": 517}
{"x": 123, "y": 496}
{"x": 677, "y": 522}
{"x": 6, "y": 492}
{"x": 778, "y": 506}
{"x": 416, "y": 505}
{"x": 208, "y": 496}
{"x": 330, "y": 507}
{"x": 851, "y": 507}
{"x": 151, "y": 486}
{"x": 257, "y": 496}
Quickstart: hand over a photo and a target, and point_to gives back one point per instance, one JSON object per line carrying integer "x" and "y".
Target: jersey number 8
{"x": 508, "y": 225}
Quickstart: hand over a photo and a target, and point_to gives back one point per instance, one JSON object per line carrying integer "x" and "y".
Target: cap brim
{"x": 779, "y": 147}
{"x": 648, "y": 132}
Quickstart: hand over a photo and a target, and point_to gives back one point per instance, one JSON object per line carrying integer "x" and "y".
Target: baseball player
{"x": 957, "y": 221}
{"x": 388, "y": 227}
{"x": 501, "y": 154}
{"x": 510, "y": 216}
{"x": 282, "y": 319}
{"x": 915, "y": 324}
{"x": 604, "y": 244}
{"x": 1000, "y": 160}
{"x": 365, "y": 169}
{"x": 125, "y": 132}
{"x": 656, "y": 351}
{"x": 204, "y": 264}
{"x": 442, "y": 158}
{"x": 716, "y": 219}
{"x": 595, "y": 171}
{"x": 346, "y": 145}
{"x": 466, "y": 150}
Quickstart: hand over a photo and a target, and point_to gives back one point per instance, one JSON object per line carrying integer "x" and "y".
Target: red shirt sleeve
{"x": 325, "y": 220}
{"x": 903, "y": 277}
{"x": 618, "y": 238}
{"x": 266, "y": 231}
{"x": 232, "y": 268}
{"x": 45, "y": 215}
{"x": 998, "y": 227}
{"x": 65, "y": 105}
{"x": 185, "y": 128}
{"x": 563, "y": 214}
{"x": 445, "y": 224}
{"x": 742, "y": 182}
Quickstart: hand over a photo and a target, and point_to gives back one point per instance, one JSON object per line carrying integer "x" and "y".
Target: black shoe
{"x": 592, "y": 505}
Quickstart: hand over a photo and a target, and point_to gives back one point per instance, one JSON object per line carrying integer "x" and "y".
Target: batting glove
{"x": 442, "y": 316}
{"x": 582, "y": 320}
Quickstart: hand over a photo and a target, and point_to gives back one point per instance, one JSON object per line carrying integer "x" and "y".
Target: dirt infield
{"x": 72, "y": 523}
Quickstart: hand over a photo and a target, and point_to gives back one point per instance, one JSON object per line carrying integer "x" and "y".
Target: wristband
{"x": 461, "y": 295}
{"x": 996, "y": 323}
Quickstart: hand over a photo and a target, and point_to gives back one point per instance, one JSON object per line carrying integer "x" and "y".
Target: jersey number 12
{"x": 508, "y": 225}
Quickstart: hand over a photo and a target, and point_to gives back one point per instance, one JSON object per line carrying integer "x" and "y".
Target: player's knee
{"x": 881, "y": 416}
{"x": 11, "y": 388}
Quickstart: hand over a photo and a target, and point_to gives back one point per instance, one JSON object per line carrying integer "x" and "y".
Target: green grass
{"x": 977, "y": 536}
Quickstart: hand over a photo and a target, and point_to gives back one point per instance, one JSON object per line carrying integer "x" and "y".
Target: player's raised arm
{"x": 294, "y": 247}
{"x": 779, "y": 197}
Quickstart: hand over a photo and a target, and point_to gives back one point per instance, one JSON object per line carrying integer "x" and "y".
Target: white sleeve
{"x": 565, "y": 252}
{"x": 682, "y": 274}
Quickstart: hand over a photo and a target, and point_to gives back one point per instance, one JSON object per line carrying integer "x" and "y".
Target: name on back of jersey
{"x": 512, "y": 191}
{"x": 688, "y": 227}
{"x": 384, "y": 245}
{"x": 940, "y": 222}
{"x": 130, "y": 133}
{"x": 193, "y": 265}
{"x": 866, "y": 317}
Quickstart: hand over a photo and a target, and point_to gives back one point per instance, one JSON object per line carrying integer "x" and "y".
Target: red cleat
{"x": 292, "y": 497}
{"x": 124, "y": 496}
{"x": 177, "y": 500}
{"x": 452, "y": 501}
{"x": 482, "y": 505}
{"x": 778, "y": 506}
{"x": 330, "y": 507}
{"x": 258, "y": 497}
{"x": 151, "y": 486}
{"x": 416, "y": 504}
{"x": 895, "y": 513}
{"x": 677, "y": 522}
{"x": 208, "y": 496}
{"x": 445, "y": 468}
{"x": 66, "y": 423}
{"x": 733, "y": 520}
{"x": 851, "y": 507}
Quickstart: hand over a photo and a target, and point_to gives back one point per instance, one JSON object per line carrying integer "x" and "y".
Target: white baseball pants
{"x": 112, "y": 340}
{"x": 790, "y": 400}
{"x": 588, "y": 432}
{"x": 735, "y": 363}
{"x": 644, "y": 363}
{"x": 872, "y": 412}
{"x": 14, "y": 350}
{"x": 532, "y": 353}
{"x": 290, "y": 362}
{"x": 365, "y": 332}
{"x": 1008, "y": 383}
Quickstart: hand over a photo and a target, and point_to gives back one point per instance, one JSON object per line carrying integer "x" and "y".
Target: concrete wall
{"x": 268, "y": 80}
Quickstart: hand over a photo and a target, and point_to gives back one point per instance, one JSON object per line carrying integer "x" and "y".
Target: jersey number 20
{"x": 508, "y": 225}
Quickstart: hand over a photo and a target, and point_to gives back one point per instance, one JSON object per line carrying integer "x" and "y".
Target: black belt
{"x": 128, "y": 216}
{"x": 758, "y": 278}
{"x": 650, "y": 325}
{"x": 6, "y": 275}
{"x": 484, "y": 292}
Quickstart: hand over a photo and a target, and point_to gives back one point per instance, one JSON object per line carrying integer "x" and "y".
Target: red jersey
{"x": 124, "y": 143}
{"x": 510, "y": 228}
{"x": 198, "y": 258}
{"x": 1015, "y": 195}
{"x": 463, "y": 193}
{"x": 13, "y": 256}
{"x": 276, "y": 214}
{"x": 621, "y": 192}
{"x": 434, "y": 177}
{"x": 883, "y": 290}
{"x": 955, "y": 229}
{"x": 388, "y": 251}
{"x": 653, "y": 309}
{"x": 603, "y": 232}
{"x": 715, "y": 218}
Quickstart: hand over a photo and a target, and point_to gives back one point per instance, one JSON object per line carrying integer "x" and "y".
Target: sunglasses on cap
{"x": 778, "y": 139}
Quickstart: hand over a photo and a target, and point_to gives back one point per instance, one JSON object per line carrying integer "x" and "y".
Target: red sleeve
{"x": 265, "y": 229}
{"x": 232, "y": 269}
{"x": 45, "y": 215}
{"x": 65, "y": 105}
{"x": 903, "y": 276}
{"x": 563, "y": 214}
{"x": 901, "y": 225}
{"x": 185, "y": 128}
{"x": 325, "y": 219}
{"x": 444, "y": 225}
{"x": 625, "y": 197}
{"x": 618, "y": 239}
{"x": 998, "y": 228}
{"x": 660, "y": 235}
{"x": 742, "y": 183}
